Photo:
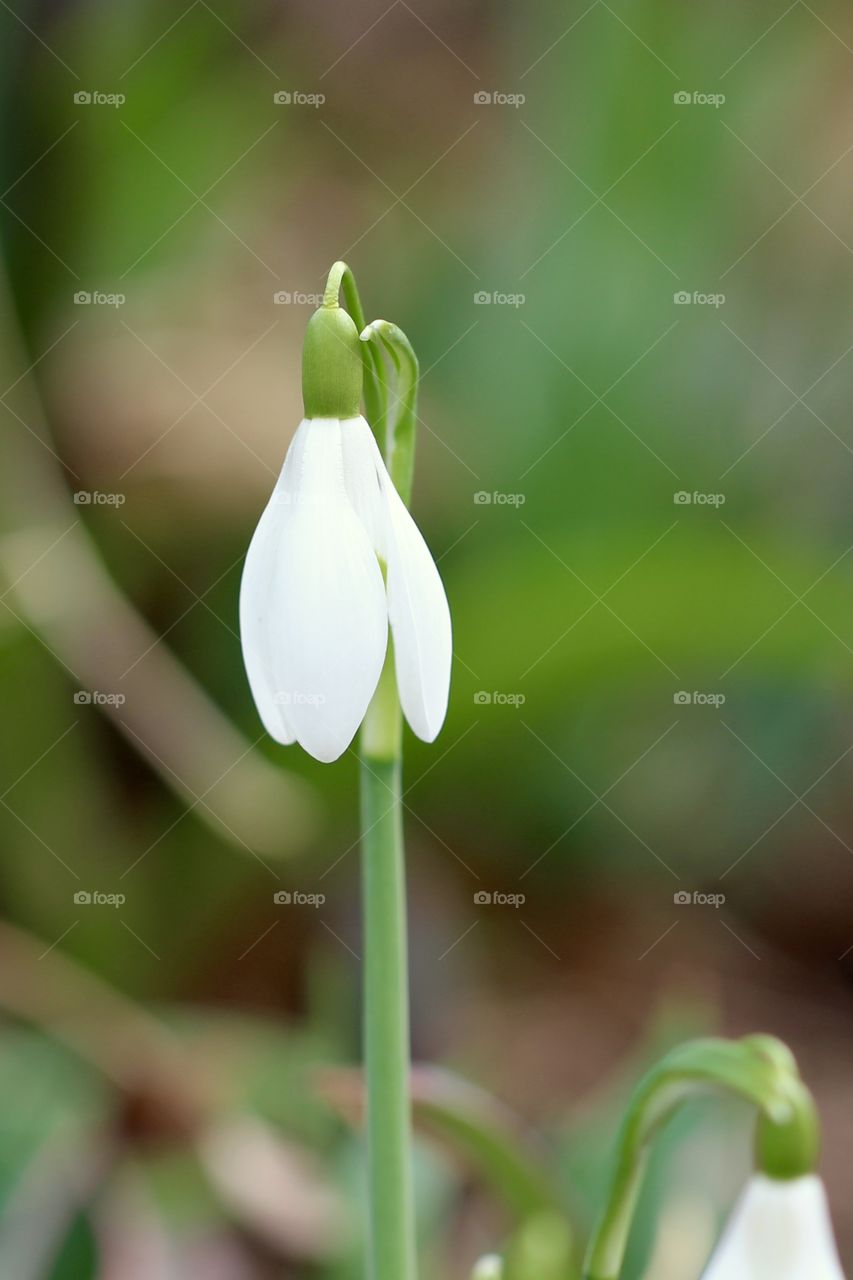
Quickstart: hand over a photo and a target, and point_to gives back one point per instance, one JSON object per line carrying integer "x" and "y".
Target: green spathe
{"x": 332, "y": 368}
{"x": 788, "y": 1149}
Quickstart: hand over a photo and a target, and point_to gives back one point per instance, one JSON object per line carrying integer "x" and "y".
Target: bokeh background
{"x": 619, "y": 237}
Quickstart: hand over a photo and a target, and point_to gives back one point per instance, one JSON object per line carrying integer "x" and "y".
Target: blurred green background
{"x": 619, "y": 237}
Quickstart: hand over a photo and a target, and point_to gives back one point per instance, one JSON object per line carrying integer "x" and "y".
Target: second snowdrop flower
{"x": 780, "y": 1230}
{"x": 335, "y": 558}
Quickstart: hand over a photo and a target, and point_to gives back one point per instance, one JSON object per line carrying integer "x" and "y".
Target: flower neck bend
{"x": 758, "y": 1069}
{"x": 787, "y": 1148}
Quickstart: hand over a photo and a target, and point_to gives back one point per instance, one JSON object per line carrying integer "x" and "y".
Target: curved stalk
{"x": 342, "y": 280}
{"x": 757, "y": 1069}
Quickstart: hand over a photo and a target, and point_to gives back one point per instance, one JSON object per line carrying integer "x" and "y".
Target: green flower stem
{"x": 757, "y": 1069}
{"x": 341, "y": 279}
{"x": 386, "y": 994}
{"x": 386, "y": 975}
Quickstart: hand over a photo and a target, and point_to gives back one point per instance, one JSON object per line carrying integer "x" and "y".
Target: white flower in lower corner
{"x": 780, "y": 1230}
{"x": 315, "y": 607}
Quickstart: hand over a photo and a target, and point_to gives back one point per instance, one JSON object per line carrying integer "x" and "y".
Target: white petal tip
{"x": 280, "y": 736}
{"x": 323, "y": 748}
{"x": 427, "y": 729}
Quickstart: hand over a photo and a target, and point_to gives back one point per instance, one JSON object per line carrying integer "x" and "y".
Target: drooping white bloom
{"x": 315, "y": 606}
{"x": 489, "y": 1267}
{"x": 780, "y": 1230}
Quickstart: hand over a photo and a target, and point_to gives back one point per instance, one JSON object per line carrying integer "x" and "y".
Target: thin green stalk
{"x": 758, "y": 1069}
{"x": 386, "y": 971}
{"x": 386, "y": 990}
{"x": 341, "y": 279}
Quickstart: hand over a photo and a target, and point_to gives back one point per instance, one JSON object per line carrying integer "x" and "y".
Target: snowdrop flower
{"x": 780, "y": 1230}
{"x": 489, "y": 1267}
{"x": 335, "y": 558}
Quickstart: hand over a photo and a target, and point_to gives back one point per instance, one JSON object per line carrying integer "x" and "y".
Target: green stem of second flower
{"x": 755, "y": 1069}
{"x": 386, "y": 990}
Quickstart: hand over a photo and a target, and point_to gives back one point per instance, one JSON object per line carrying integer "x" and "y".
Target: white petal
{"x": 320, "y": 608}
{"x": 778, "y": 1231}
{"x": 255, "y": 591}
{"x": 362, "y": 461}
{"x": 417, "y": 604}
